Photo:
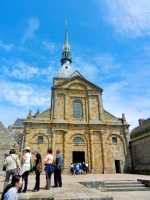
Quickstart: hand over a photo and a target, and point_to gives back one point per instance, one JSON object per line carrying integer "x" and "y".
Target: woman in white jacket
{"x": 25, "y": 169}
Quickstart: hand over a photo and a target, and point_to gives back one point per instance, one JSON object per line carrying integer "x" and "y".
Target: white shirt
{"x": 28, "y": 157}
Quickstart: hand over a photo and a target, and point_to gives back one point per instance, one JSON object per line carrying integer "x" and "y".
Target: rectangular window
{"x": 40, "y": 139}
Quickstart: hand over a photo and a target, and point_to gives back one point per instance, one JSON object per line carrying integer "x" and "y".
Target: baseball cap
{"x": 27, "y": 148}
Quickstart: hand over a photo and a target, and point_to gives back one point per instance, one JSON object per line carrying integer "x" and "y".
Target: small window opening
{"x": 114, "y": 140}
{"x": 40, "y": 139}
{"x": 78, "y": 140}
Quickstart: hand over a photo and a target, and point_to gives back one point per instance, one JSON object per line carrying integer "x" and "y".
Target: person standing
{"x": 12, "y": 165}
{"x": 38, "y": 170}
{"x": 87, "y": 166}
{"x": 25, "y": 168}
{"x": 11, "y": 190}
{"x": 84, "y": 168}
{"x": 80, "y": 168}
{"x": 71, "y": 169}
{"x": 57, "y": 169}
{"x": 49, "y": 169}
{"x": 77, "y": 169}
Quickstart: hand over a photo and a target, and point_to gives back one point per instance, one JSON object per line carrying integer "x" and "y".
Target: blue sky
{"x": 110, "y": 46}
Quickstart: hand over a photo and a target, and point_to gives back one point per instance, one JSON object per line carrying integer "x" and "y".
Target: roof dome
{"x": 65, "y": 71}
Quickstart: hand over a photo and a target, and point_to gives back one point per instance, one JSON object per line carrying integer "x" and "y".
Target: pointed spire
{"x": 66, "y": 48}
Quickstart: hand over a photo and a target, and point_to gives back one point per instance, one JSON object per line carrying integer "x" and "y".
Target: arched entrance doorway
{"x": 78, "y": 156}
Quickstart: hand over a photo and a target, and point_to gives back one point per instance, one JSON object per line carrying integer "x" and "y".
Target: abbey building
{"x": 78, "y": 125}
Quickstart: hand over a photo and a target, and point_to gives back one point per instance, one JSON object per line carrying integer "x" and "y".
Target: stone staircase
{"x": 125, "y": 186}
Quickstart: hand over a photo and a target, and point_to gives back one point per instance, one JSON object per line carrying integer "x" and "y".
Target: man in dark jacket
{"x": 38, "y": 169}
{"x": 57, "y": 169}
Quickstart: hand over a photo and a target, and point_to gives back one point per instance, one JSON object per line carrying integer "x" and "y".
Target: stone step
{"x": 124, "y": 185}
{"x": 127, "y": 189}
{"x": 118, "y": 183}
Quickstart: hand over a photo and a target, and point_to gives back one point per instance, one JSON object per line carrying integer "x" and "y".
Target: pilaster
{"x": 92, "y": 151}
{"x": 65, "y": 152}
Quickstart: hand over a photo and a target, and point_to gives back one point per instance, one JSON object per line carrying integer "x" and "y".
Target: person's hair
{"x": 58, "y": 151}
{"x": 49, "y": 150}
{"x": 12, "y": 151}
{"x": 34, "y": 151}
{"x": 27, "y": 150}
{"x": 15, "y": 179}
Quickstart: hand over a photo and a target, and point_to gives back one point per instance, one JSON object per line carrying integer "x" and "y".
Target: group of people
{"x": 78, "y": 168}
{"x": 20, "y": 173}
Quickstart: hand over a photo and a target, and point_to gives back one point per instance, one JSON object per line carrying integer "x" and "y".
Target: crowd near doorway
{"x": 78, "y": 156}
{"x": 117, "y": 166}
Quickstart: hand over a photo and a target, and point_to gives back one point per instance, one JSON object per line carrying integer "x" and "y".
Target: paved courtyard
{"x": 71, "y": 188}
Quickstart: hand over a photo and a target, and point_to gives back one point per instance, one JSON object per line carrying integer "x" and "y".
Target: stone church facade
{"x": 78, "y": 125}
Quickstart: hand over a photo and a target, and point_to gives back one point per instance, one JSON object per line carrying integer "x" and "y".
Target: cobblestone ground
{"x": 71, "y": 189}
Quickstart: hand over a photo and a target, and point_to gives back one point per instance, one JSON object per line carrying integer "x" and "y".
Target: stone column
{"x": 100, "y": 106}
{"x": 65, "y": 107}
{"x": 102, "y": 149}
{"x": 64, "y": 152}
{"x": 54, "y": 105}
{"x": 89, "y": 114}
{"x": 53, "y": 139}
{"x": 92, "y": 151}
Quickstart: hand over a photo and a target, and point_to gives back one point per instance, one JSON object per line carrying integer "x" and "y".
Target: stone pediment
{"x": 77, "y": 82}
{"x": 45, "y": 115}
{"x": 108, "y": 116}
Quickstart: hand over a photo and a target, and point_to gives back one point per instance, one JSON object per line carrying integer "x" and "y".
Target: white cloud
{"x": 24, "y": 71}
{"x": 33, "y": 25}
{"x": 6, "y": 47}
{"x": 122, "y": 97}
{"x": 129, "y": 17}
{"x": 106, "y": 62}
{"x": 49, "y": 46}
{"x": 24, "y": 95}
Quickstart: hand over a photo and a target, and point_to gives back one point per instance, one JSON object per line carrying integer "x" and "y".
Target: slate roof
{"x": 18, "y": 122}
{"x": 75, "y": 73}
{"x": 65, "y": 71}
{"x": 13, "y": 136}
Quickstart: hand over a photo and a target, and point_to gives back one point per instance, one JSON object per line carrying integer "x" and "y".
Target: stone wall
{"x": 6, "y": 143}
{"x": 139, "y": 147}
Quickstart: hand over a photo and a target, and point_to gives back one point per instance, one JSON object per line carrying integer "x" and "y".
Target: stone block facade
{"x": 96, "y": 128}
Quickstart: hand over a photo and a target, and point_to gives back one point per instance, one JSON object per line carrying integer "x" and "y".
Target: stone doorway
{"x": 117, "y": 166}
{"x": 78, "y": 156}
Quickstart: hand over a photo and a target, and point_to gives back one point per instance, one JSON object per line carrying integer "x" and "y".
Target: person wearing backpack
{"x": 12, "y": 165}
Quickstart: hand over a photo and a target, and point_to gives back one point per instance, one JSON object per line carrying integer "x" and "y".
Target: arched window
{"x": 114, "y": 140}
{"x": 40, "y": 139}
{"x": 77, "y": 109}
{"x": 78, "y": 140}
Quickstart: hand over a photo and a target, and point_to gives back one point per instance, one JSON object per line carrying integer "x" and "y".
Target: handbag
{"x": 32, "y": 168}
{"x": 38, "y": 167}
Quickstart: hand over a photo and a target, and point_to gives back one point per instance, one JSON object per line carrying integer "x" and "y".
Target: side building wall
{"x": 140, "y": 155}
{"x": 140, "y": 147}
{"x": 6, "y": 143}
